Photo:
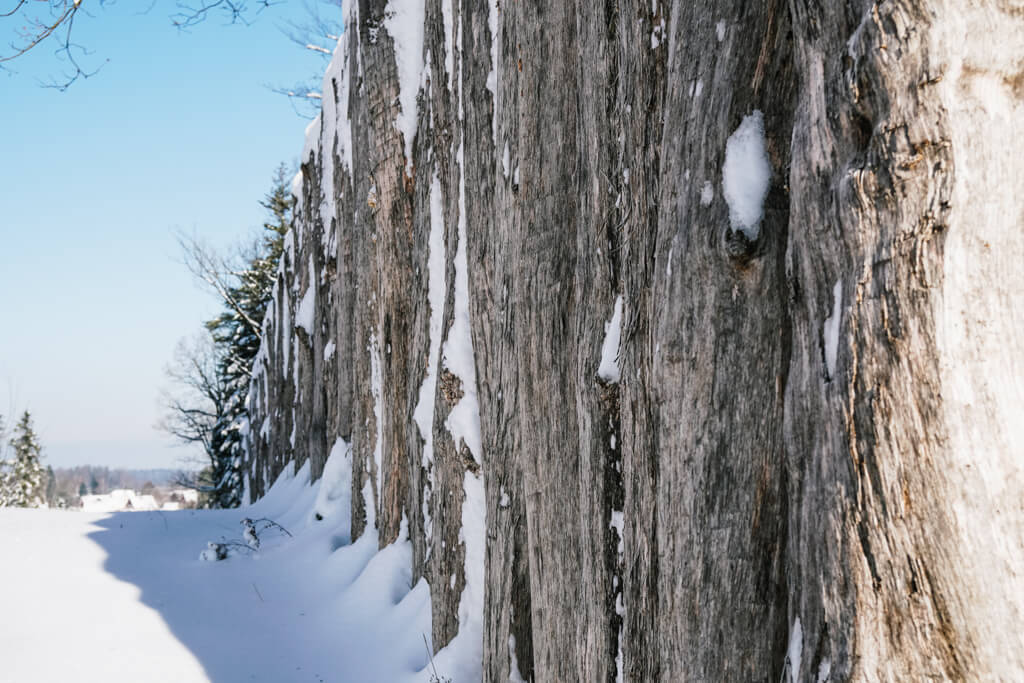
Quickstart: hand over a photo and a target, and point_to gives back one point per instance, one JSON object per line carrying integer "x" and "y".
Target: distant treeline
{"x": 72, "y": 482}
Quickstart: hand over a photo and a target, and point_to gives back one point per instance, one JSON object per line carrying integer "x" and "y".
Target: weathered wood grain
{"x": 791, "y": 509}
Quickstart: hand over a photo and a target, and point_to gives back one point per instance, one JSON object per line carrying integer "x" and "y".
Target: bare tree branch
{"x": 39, "y": 21}
{"x": 192, "y": 413}
{"x": 210, "y": 268}
{"x": 317, "y": 33}
{"x": 236, "y": 11}
{"x": 37, "y": 30}
{"x": 301, "y": 92}
{"x": 13, "y": 11}
{"x": 58, "y": 22}
{"x": 194, "y": 481}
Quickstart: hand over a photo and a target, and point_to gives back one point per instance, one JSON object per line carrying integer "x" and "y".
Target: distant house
{"x": 179, "y": 499}
{"x": 118, "y": 500}
{"x": 188, "y": 496}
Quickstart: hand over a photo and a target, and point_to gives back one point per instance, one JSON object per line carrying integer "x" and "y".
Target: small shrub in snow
{"x": 251, "y": 530}
{"x": 262, "y": 524}
{"x": 249, "y": 534}
{"x": 214, "y": 552}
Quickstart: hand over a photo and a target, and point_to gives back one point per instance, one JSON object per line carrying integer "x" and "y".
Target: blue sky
{"x": 177, "y": 131}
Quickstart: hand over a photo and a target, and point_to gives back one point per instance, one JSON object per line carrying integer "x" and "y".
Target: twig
{"x": 271, "y": 523}
{"x": 430, "y": 655}
{"x": 258, "y": 592}
{"x": 236, "y": 544}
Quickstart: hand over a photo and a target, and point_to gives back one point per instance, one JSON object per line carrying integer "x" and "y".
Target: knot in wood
{"x": 739, "y": 247}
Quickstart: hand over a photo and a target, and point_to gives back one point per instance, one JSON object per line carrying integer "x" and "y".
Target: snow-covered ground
{"x": 124, "y": 597}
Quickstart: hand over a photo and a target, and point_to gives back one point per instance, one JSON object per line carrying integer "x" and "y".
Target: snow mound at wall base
{"x": 357, "y": 599}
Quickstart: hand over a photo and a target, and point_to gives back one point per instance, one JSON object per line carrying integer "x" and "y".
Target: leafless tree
{"x": 210, "y": 374}
{"x": 216, "y": 271}
{"x": 197, "y": 395}
{"x": 193, "y": 403}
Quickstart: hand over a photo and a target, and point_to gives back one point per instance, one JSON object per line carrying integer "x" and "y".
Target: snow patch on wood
{"x": 403, "y": 20}
{"x": 304, "y": 316}
{"x": 514, "y": 676}
{"x": 423, "y": 414}
{"x": 707, "y": 194}
{"x": 831, "y": 329}
{"x": 376, "y": 390}
{"x": 746, "y": 175}
{"x": 464, "y": 419}
{"x": 795, "y": 650}
{"x": 608, "y": 370}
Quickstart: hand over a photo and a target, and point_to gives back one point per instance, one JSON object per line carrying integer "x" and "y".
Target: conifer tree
{"x": 237, "y": 333}
{"x": 25, "y": 475}
{"x": 6, "y": 468}
{"x": 217, "y": 378}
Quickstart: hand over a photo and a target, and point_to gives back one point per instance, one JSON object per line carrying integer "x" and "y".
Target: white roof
{"x": 117, "y": 500}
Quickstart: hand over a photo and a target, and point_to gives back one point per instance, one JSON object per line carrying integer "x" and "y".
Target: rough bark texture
{"x": 811, "y": 467}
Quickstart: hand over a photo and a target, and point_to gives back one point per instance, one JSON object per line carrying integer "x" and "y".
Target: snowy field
{"x": 124, "y": 597}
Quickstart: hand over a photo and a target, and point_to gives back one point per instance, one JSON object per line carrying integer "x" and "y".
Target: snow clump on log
{"x": 746, "y": 175}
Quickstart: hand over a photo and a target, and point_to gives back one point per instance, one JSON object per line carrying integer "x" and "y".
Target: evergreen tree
{"x": 218, "y": 380}
{"x": 6, "y": 469}
{"x": 237, "y": 332}
{"x": 26, "y": 477}
{"x": 82, "y": 490}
